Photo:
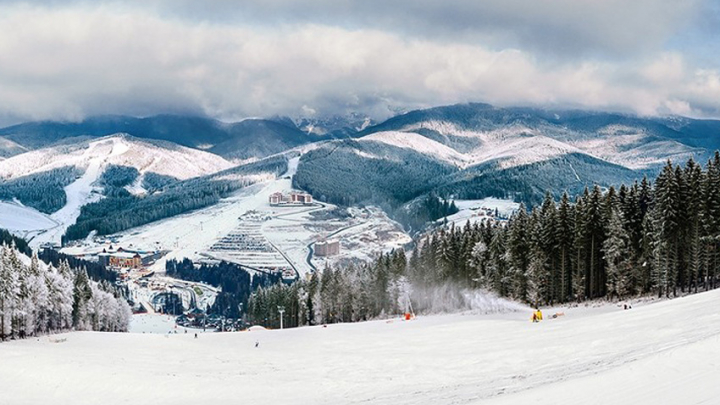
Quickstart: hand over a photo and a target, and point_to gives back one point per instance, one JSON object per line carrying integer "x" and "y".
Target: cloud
{"x": 564, "y": 27}
{"x": 69, "y": 62}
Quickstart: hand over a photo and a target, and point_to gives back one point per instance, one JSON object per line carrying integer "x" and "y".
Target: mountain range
{"x": 464, "y": 151}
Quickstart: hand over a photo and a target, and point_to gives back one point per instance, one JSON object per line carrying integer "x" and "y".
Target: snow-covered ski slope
{"x": 93, "y": 158}
{"x": 662, "y": 353}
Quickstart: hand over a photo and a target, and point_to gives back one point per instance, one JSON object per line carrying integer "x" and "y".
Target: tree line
{"x": 350, "y": 294}
{"x": 36, "y": 299}
{"x": 661, "y": 238}
{"x": 43, "y": 191}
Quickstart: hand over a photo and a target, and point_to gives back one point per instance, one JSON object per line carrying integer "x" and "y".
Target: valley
{"x": 289, "y": 230}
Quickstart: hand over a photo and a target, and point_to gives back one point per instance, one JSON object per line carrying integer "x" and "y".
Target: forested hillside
{"x": 43, "y": 191}
{"x": 349, "y": 172}
{"x": 120, "y": 210}
{"x": 569, "y": 173}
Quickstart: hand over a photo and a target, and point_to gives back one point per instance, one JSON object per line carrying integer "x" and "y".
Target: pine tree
{"x": 616, "y": 255}
{"x": 594, "y": 223}
{"x": 711, "y": 220}
{"x": 39, "y": 296}
{"x": 580, "y": 250}
{"x": 666, "y": 216}
{"x": 694, "y": 224}
{"x": 8, "y": 292}
{"x": 564, "y": 237}
{"x": 536, "y": 275}
{"x": 82, "y": 293}
{"x": 497, "y": 267}
{"x": 518, "y": 253}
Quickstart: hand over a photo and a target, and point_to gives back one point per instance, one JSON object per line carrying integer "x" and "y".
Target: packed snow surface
{"x": 659, "y": 353}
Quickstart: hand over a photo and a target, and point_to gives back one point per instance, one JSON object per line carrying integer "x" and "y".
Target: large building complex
{"x": 292, "y": 198}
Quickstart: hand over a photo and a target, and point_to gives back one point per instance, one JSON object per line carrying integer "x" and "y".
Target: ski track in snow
{"x": 78, "y": 194}
{"x": 597, "y": 355}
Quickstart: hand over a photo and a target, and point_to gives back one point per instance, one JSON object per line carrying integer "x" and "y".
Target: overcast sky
{"x": 233, "y": 59}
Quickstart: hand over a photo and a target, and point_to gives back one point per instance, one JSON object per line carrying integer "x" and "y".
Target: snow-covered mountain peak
{"x": 445, "y": 128}
{"x": 123, "y": 150}
{"x": 419, "y": 143}
{"x": 522, "y": 151}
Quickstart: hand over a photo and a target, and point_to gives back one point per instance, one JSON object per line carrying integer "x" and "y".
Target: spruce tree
{"x": 564, "y": 236}
{"x": 616, "y": 255}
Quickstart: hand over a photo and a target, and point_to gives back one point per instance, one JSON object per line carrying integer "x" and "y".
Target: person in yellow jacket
{"x": 537, "y": 315}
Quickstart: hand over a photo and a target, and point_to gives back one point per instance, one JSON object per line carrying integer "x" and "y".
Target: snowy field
{"x": 660, "y": 353}
{"x": 23, "y": 220}
{"x": 160, "y": 324}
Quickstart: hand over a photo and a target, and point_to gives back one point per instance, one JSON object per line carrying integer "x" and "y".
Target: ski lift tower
{"x": 281, "y": 310}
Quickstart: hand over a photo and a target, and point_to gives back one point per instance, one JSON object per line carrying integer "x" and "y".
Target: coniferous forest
{"x": 657, "y": 238}
{"x": 36, "y": 299}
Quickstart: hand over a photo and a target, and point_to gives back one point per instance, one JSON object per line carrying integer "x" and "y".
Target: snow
{"x": 666, "y": 352}
{"x": 136, "y": 188}
{"x": 162, "y": 324}
{"x": 522, "y": 151}
{"x": 510, "y": 146}
{"x": 93, "y": 157}
{"x": 517, "y": 144}
{"x": 290, "y": 230}
{"x": 504, "y": 207}
{"x": 18, "y": 218}
{"x": 191, "y": 235}
{"x": 123, "y": 150}
{"x": 472, "y": 210}
{"x": 419, "y": 143}
{"x": 630, "y": 147}
{"x": 79, "y": 193}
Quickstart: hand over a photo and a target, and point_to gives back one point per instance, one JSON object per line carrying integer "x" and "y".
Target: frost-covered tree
{"x": 617, "y": 256}
{"x": 36, "y": 298}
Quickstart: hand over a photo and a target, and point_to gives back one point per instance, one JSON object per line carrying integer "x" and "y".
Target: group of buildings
{"x": 127, "y": 258}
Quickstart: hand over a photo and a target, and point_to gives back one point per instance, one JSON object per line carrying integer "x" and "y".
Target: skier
{"x": 257, "y": 343}
{"x": 196, "y": 336}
